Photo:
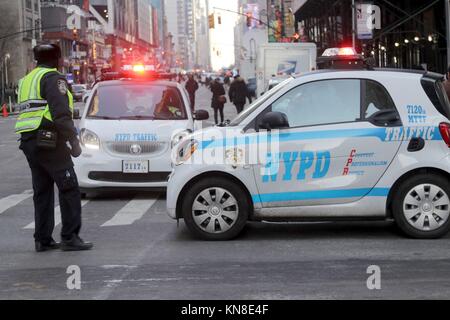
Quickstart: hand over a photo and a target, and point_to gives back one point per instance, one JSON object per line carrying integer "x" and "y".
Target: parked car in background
{"x": 78, "y": 91}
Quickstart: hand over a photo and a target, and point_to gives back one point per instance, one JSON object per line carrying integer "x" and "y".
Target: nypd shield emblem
{"x": 62, "y": 87}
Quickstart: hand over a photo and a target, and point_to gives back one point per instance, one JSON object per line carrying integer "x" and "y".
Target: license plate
{"x": 135, "y": 166}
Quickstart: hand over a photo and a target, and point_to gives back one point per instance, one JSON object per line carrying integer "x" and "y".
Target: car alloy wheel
{"x": 215, "y": 210}
{"x": 426, "y": 207}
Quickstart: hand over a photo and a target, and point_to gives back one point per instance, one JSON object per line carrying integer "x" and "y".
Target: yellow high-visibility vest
{"x": 33, "y": 107}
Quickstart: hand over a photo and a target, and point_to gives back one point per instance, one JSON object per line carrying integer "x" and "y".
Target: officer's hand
{"x": 76, "y": 149}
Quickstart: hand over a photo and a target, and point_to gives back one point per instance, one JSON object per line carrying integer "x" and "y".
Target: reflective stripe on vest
{"x": 33, "y": 108}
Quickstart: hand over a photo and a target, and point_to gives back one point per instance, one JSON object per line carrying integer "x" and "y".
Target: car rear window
{"x": 437, "y": 95}
{"x": 137, "y": 102}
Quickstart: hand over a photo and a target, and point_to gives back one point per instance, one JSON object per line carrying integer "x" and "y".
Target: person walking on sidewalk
{"x": 218, "y": 100}
{"x": 191, "y": 88}
{"x": 238, "y": 93}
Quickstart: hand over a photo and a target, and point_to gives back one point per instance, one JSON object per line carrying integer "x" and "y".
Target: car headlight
{"x": 179, "y": 136}
{"x": 89, "y": 139}
{"x": 184, "y": 151}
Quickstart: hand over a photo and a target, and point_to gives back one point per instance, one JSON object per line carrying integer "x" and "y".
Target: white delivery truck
{"x": 279, "y": 60}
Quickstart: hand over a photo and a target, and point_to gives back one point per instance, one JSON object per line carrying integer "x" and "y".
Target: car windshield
{"x": 242, "y": 116}
{"x": 137, "y": 102}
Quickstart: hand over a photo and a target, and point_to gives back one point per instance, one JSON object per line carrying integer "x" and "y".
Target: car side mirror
{"x": 76, "y": 114}
{"x": 201, "y": 115}
{"x": 274, "y": 120}
{"x": 385, "y": 118}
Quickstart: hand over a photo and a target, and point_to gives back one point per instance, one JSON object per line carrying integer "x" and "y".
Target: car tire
{"x": 421, "y": 206}
{"x": 213, "y": 219}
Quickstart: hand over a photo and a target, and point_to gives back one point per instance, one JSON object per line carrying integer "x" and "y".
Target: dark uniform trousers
{"x": 45, "y": 174}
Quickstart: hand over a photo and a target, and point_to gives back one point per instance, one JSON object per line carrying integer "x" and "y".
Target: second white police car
{"x": 131, "y": 121}
{"x": 329, "y": 145}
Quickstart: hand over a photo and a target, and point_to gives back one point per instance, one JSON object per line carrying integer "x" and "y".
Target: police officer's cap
{"x": 47, "y": 52}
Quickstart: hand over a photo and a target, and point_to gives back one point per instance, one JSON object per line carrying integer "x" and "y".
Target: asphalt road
{"x": 148, "y": 257}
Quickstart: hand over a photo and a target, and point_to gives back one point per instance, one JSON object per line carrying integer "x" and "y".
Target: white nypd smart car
{"x": 329, "y": 145}
{"x": 127, "y": 131}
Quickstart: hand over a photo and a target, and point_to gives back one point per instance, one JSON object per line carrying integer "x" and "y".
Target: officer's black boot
{"x": 41, "y": 246}
{"x": 75, "y": 244}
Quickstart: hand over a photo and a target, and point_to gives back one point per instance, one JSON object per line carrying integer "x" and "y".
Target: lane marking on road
{"x": 58, "y": 220}
{"x": 13, "y": 200}
{"x": 133, "y": 211}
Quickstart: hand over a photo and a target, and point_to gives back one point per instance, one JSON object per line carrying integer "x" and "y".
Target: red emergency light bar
{"x": 335, "y": 52}
{"x": 138, "y": 68}
{"x": 136, "y": 73}
{"x": 342, "y": 58}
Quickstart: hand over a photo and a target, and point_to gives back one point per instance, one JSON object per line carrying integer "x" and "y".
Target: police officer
{"x": 49, "y": 139}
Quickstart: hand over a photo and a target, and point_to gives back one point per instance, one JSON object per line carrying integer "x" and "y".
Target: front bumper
{"x": 97, "y": 170}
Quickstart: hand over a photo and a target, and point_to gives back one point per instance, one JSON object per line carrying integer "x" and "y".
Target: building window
{"x": 29, "y": 27}
{"x": 28, "y": 4}
{"x": 37, "y": 31}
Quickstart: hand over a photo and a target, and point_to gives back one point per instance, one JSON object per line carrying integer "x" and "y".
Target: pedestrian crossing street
{"x": 125, "y": 212}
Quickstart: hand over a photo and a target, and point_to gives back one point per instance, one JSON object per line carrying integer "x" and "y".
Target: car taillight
{"x": 444, "y": 128}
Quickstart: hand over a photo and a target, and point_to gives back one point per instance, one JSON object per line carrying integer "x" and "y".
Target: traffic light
{"x": 219, "y": 19}
{"x": 75, "y": 33}
{"x": 249, "y": 19}
{"x": 211, "y": 21}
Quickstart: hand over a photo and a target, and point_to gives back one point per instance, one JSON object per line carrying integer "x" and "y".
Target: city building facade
{"x": 411, "y": 34}
{"x": 20, "y": 31}
{"x": 180, "y": 19}
{"x": 251, "y": 31}
{"x": 183, "y": 24}
{"x": 201, "y": 34}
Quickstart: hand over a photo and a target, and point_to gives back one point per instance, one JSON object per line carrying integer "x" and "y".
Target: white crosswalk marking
{"x": 133, "y": 211}
{"x": 13, "y": 200}
{"x": 31, "y": 226}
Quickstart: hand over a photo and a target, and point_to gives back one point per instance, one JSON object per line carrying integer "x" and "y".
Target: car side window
{"x": 375, "y": 99}
{"x": 322, "y": 102}
{"x": 94, "y": 109}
